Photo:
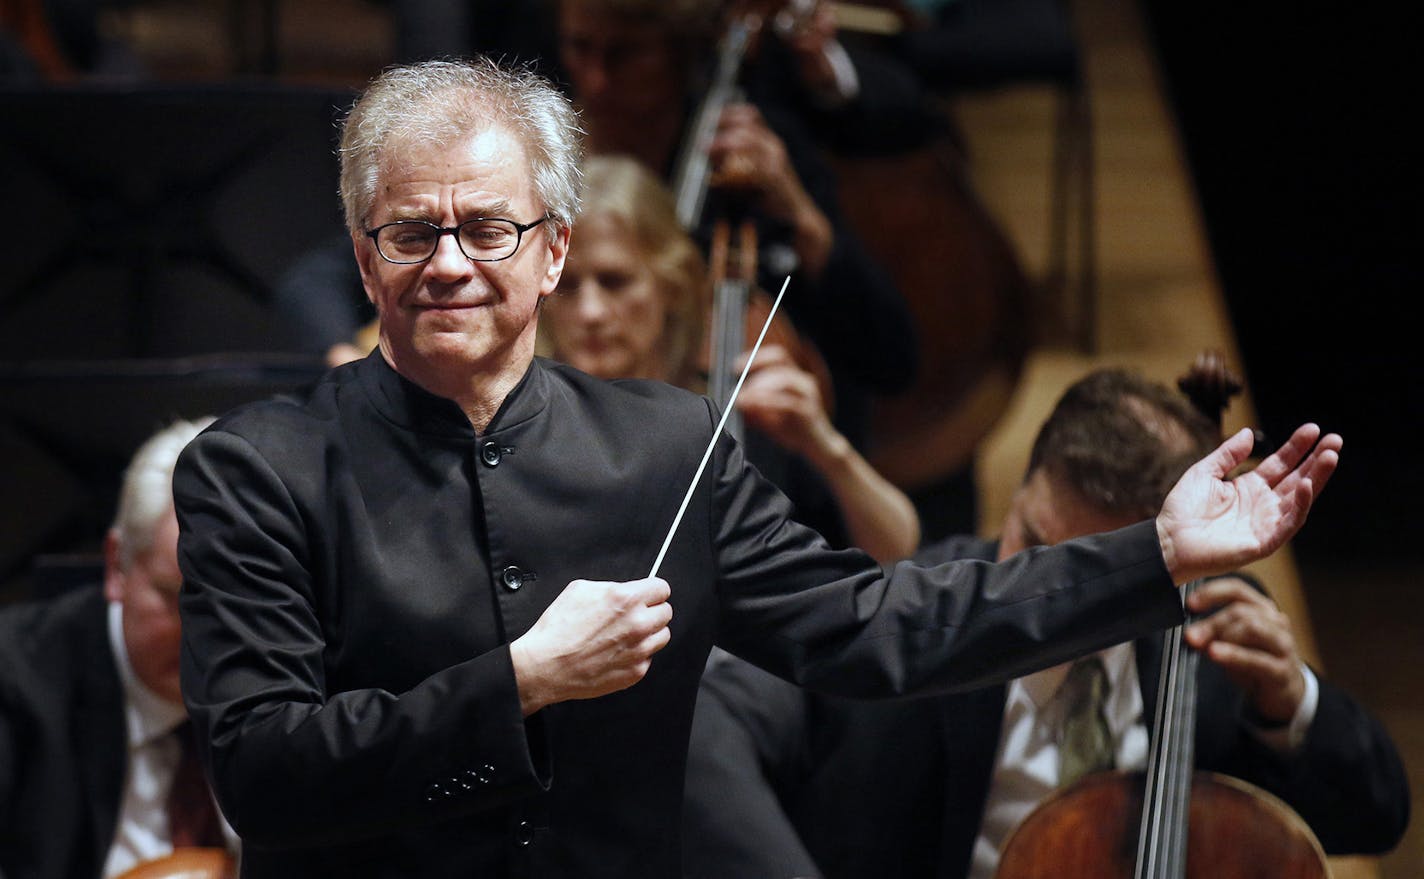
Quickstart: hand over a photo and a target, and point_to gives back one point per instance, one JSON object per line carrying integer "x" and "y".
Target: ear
{"x": 364, "y": 250}
{"x": 558, "y": 252}
{"x": 113, "y": 571}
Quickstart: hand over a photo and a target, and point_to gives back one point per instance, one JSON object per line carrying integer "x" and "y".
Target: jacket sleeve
{"x": 748, "y": 741}
{"x": 835, "y": 622}
{"x": 1346, "y": 780}
{"x": 293, "y": 762}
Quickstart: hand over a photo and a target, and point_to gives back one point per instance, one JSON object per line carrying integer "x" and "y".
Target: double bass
{"x": 1170, "y": 821}
{"x": 918, "y": 213}
{"x": 738, "y": 306}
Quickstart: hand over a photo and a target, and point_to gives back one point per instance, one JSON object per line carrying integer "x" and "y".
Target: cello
{"x": 1169, "y": 821}
{"x": 186, "y": 863}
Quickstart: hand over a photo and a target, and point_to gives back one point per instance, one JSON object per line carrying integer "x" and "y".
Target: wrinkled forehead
{"x": 488, "y": 141}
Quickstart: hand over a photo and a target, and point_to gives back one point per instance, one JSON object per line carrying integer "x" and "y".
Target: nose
{"x": 449, "y": 263}
{"x": 591, "y": 303}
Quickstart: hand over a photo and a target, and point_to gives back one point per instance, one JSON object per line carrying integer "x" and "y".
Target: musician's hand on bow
{"x": 747, "y": 154}
{"x": 1251, "y": 639}
{"x": 783, "y": 401}
{"x": 595, "y": 638}
{"x": 1211, "y": 524}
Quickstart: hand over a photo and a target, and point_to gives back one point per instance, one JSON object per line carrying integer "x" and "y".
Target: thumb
{"x": 1231, "y": 453}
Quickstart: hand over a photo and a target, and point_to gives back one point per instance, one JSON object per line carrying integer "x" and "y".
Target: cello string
{"x": 1149, "y": 824}
{"x": 1162, "y": 836}
{"x": 1184, "y": 758}
{"x": 696, "y": 477}
{"x": 1165, "y": 857}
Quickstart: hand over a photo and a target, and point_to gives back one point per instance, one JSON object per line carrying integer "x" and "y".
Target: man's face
{"x": 450, "y": 312}
{"x": 610, "y": 312}
{"x": 148, "y": 591}
{"x": 1045, "y": 511}
{"x": 620, "y": 70}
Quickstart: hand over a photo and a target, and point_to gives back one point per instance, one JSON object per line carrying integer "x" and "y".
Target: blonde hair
{"x": 624, "y": 190}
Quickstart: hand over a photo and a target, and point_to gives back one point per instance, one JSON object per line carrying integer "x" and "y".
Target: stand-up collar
{"x": 413, "y": 407}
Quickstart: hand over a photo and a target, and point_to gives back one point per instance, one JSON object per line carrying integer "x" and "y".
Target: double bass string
{"x": 717, "y": 432}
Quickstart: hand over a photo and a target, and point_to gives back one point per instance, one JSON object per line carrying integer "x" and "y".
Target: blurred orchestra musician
{"x": 98, "y": 775}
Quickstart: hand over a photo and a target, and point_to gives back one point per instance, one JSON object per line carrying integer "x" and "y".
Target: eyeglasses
{"x": 483, "y": 239}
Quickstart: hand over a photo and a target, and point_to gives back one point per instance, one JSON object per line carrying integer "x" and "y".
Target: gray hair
{"x": 147, "y": 490}
{"x": 436, "y": 102}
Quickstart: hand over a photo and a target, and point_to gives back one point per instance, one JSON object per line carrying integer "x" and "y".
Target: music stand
{"x": 153, "y": 221}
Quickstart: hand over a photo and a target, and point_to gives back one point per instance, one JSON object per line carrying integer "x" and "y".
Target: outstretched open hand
{"x": 1211, "y": 524}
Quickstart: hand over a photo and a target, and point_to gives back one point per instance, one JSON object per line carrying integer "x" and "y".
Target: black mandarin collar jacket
{"x": 356, "y": 562}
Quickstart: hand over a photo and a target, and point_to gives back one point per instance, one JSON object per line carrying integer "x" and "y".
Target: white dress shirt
{"x": 1027, "y": 762}
{"x": 153, "y": 755}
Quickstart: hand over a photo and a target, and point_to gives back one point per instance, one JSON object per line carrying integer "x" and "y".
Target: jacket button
{"x": 490, "y": 454}
{"x": 524, "y": 833}
{"x": 437, "y": 791}
{"x": 513, "y": 578}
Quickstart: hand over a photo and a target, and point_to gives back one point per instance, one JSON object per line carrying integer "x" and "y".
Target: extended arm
{"x": 1212, "y": 523}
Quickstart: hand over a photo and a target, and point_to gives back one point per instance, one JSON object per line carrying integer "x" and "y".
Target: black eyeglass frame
{"x": 519, "y": 230}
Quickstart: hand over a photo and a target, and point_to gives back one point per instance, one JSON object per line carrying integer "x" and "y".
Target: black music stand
{"x": 69, "y": 428}
{"x": 153, "y": 221}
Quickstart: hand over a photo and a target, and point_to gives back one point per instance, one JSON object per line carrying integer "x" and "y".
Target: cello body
{"x": 186, "y": 863}
{"x": 1090, "y": 829}
{"x": 1169, "y": 821}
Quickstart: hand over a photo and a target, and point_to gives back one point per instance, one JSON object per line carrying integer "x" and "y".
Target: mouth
{"x": 595, "y": 344}
{"x": 448, "y": 306}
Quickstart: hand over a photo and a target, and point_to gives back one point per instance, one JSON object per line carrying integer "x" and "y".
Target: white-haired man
{"x": 92, "y": 724}
{"x": 390, "y": 646}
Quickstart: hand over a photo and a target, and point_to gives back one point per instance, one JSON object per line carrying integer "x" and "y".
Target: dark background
{"x": 1294, "y": 122}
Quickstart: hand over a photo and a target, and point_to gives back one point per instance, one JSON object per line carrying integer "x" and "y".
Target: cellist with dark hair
{"x": 784, "y": 782}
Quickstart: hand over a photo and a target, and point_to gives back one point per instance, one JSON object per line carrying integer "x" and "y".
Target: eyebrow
{"x": 492, "y": 210}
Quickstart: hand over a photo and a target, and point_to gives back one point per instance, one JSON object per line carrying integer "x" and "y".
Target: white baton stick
{"x": 731, "y": 401}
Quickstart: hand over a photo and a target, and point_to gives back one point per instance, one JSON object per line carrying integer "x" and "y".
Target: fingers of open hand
{"x": 1299, "y": 487}
{"x": 1323, "y": 460}
{"x": 1283, "y": 461}
{"x": 1229, "y": 455}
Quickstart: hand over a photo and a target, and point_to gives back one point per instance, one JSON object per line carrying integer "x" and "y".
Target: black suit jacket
{"x": 62, "y": 739}
{"x": 357, "y": 561}
{"x": 786, "y": 783}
